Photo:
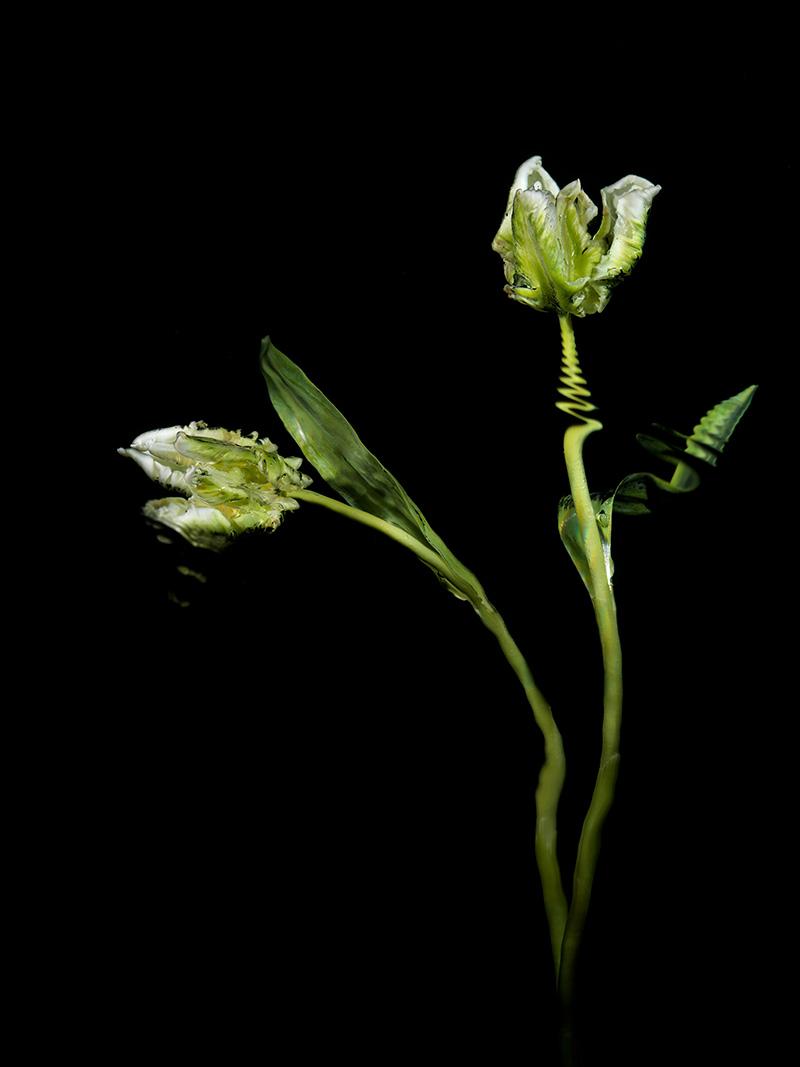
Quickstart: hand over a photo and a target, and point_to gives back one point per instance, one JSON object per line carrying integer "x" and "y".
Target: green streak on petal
{"x": 575, "y": 211}
{"x": 537, "y": 255}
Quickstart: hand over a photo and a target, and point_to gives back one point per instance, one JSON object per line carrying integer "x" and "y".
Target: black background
{"x": 304, "y": 809}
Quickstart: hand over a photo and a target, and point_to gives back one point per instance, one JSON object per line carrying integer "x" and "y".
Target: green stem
{"x": 684, "y": 478}
{"x": 551, "y": 776}
{"x": 606, "y": 618}
{"x": 427, "y": 555}
{"x": 550, "y": 784}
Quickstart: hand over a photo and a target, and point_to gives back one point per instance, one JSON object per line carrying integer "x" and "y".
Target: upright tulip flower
{"x": 551, "y": 260}
{"x": 553, "y": 263}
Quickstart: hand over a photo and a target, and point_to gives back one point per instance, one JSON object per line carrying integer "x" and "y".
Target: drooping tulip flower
{"x": 233, "y": 483}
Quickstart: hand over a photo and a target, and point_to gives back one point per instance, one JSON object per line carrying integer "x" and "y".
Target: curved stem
{"x": 551, "y": 776}
{"x": 427, "y": 555}
{"x": 549, "y": 786}
{"x": 606, "y": 618}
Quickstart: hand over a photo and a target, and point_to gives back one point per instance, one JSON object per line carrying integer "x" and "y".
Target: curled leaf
{"x": 686, "y": 453}
{"x": 713, "y": 431}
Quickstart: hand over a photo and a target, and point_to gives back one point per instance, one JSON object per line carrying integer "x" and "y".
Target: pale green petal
{"x": 213, "y": 489}
{"x": 207, "y": 526}
{"x": 171, "y": 476}
{"x": 233, "y": 437}
{"x": 155, "y": 453}
{"x": 625, "y": 208}
{"x": 531, "y": 172}
{"x": 575, "y": 211}
{"x": 592, "y": 298}
{"x": 209, "y": 450}
{"x": 538, "y": 258}
{"x": 244, "y": 462}
{"x": 161, "y": 443}
{"x": 203, "y": 527}
{"x": 531, "y": 175}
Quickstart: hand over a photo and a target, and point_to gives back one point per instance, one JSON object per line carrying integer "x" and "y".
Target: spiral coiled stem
{"x": 573, "y": 384}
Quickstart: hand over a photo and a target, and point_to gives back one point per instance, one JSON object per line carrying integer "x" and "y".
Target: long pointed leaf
{"x": 332, "y": 446}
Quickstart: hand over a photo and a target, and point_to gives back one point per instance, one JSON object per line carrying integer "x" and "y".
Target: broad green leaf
{"x": 332, "y": 446}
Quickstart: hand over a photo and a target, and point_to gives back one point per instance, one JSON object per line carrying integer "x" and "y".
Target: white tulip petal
{"x": 171, "y": 477}
{"x": 626, "y": 205}
{"x": 531, "y": 175}
{"x": 203, "y": 527}
{"x": 156, "y": 440}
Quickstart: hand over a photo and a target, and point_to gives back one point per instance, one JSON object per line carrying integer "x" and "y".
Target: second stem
{"x": 606, "y": 617}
